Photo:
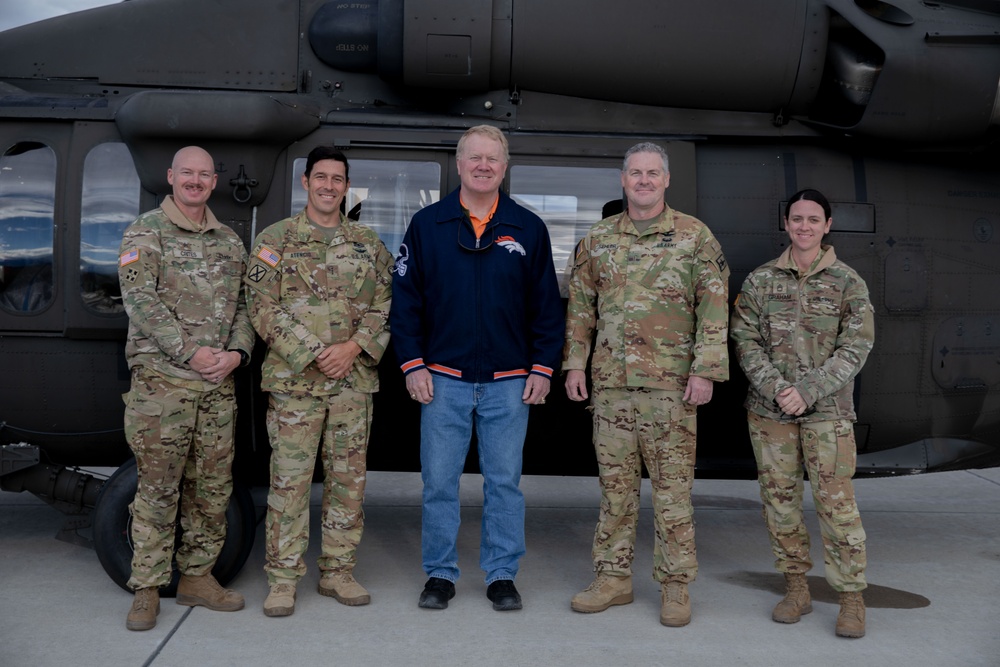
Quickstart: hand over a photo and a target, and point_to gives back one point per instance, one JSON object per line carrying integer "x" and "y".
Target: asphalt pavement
{"x": 934, "y": 586}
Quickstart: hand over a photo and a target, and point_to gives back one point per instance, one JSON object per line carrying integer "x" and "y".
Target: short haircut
{"x": 809, "y": 195}
{"x": 190, "y": 151}
{"x": 326, "y": 153}
{"x": 489, "y": 132}
{"x": 647, "y": 147}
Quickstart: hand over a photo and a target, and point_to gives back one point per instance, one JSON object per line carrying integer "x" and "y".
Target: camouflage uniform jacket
{"x": 812, "y": 331}
{"x": 657, "y": 300}
{"x": 182, "y": 289}
{"x": 307, "y": 293}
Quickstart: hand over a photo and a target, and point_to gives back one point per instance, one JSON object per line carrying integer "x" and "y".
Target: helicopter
{"x": 891, "y": 108}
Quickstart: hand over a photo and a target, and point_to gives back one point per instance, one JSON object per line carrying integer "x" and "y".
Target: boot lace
{"x": 143, "y": 599}
{"x": 673, "y": 592}
{"x": 851, "y": 605}
{"x": 282, "y": 589}
{"x": 598, "y": 582}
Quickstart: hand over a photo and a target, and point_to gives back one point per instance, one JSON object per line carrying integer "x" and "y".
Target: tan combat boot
{"x": 145, "y": 607}
{"x": 675, "y": 610}
{"x": 280, "y": 600}
{"x": 851, "y": 619}
{"x": 605, "y": 591}
{"x": 205, "y": 591}
{"x": 345, "y": 588}
{"x": 796, "y": 602}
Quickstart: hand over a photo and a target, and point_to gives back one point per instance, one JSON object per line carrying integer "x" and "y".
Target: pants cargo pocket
{"x": 847, "y": 451}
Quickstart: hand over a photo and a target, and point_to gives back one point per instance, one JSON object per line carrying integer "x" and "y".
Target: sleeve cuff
{"x": 413, "y": 365}
{"x": 544, "y": 371}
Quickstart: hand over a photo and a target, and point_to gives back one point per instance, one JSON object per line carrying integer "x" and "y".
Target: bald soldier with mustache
{"x": 181, "y": 273}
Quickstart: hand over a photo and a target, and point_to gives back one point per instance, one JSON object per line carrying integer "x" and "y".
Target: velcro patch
{"x": 257, "y": 273}
{"x": 268, "y": 256}
{"x": 129, "y": 257}
{"x": 720, "y": 262}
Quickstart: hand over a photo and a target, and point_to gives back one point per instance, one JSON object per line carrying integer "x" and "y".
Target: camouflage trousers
{"x": 828, "y": 452}
{"x": 300, "y": 427}
{"x": 183, "y": 445}
{"x": 632, "y": 426}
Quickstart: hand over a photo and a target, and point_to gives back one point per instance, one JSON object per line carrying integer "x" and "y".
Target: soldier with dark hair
{"x": 652, "y": 284}
{"x": 181, "y": 272}
{"x": 319, "y": 291}
{"x": 803, "y": 327}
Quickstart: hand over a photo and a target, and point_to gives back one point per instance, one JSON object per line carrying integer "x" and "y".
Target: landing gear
{"x": 112, "y": 529}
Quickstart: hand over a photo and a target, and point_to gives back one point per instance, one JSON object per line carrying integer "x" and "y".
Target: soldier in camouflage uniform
{"x": 803, "y": 327}
{"x": 319, "y": 293}
{"x": 181, "y": 272}
{"x": 653, "y": 284}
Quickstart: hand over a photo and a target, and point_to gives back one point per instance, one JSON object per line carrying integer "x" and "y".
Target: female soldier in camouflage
{"x": 803, "y": 327}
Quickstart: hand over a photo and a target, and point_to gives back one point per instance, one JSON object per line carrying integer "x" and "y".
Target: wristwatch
{"x": 244, "y": 358}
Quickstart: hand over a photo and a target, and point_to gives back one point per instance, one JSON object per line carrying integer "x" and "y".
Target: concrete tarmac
{"x": 934, "y": 586}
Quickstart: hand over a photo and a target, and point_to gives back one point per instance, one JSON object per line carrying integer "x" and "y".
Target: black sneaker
{"x": 436, "y": 593}
{"x": 503, "y": 595}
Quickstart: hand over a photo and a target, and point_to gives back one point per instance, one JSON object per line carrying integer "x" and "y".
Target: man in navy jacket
{"x": 477, "y": 325}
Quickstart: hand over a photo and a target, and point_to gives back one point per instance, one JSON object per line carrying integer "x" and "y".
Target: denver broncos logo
{"x": 400, "y": 267}
{"x": 511, "y": 245}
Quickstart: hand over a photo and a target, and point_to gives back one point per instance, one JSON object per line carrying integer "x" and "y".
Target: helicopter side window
{"x": 27, "y": 227}
{"x": 384, "y": 194}
{"x": 569, "y": 200}
{"x": 110, "y": 203}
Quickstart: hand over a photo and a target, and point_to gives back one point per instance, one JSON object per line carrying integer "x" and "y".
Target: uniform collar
{"x": 307, "y": 231}
{"x": 180, "y": 220}
{"x": 823, "y": 261}
{"x": 663, "y": 223}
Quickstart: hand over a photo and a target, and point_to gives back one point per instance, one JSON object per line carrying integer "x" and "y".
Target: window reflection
{"x": 384, "y": 194}
{"x": 27, "y": 209}
{"x": 110, "y": 203}
{"x": 569, "y": 200}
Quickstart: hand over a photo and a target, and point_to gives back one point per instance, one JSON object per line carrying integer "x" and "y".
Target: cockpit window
{"x": 110, "y": 203}
{"x": 27, "y": 227}
{"x": 569, "y": 200}
{"x": 384, "y": 194}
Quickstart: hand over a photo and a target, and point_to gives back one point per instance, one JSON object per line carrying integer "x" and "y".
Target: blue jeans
{"x": 501, "y": 421}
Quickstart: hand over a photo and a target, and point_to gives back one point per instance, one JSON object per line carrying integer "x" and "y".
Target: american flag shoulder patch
{"x": 268, "y": 256}
{"x": 129, "y": 257}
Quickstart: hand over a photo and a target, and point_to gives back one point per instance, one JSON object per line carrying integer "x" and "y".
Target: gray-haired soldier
{"x": 652, "y": 283}
{"x": 180, "y": 271}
